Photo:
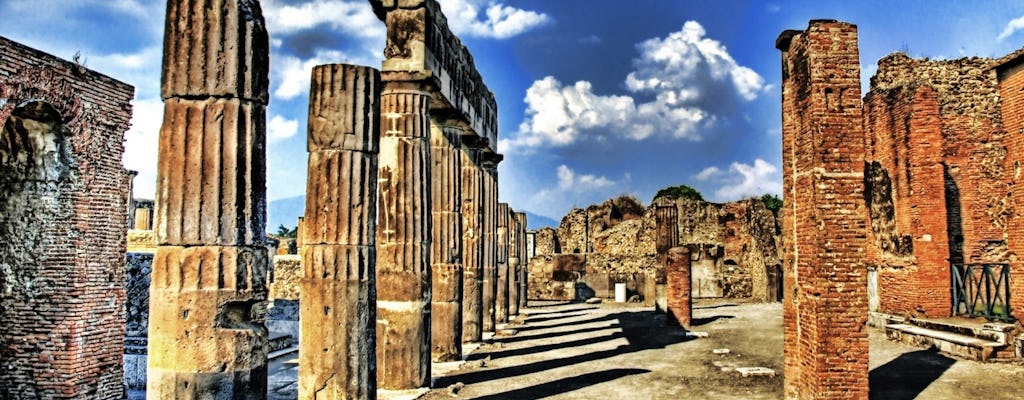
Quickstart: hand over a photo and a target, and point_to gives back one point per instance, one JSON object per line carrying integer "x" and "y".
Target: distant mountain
{"x": 285, "y": 212}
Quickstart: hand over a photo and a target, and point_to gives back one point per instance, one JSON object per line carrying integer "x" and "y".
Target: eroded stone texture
{"x": 472, "y": 242}
{"x": 446, "y": 243}
{"x": 208, "y": 292}
{"x": 403, "y": 237}
{"x": 515, "y": 240}
{"x": 525, "y": 254}
{"x": 825, "y": 304}
{"x": 501, "y": 297}
{"x": 677, "y": 272}
{"x": 490, "y": 239}
{"x": 63, "y": 202}
{"x": 338, "y": 233}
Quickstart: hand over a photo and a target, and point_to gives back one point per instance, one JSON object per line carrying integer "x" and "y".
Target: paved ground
{"x": 612, "y": 351}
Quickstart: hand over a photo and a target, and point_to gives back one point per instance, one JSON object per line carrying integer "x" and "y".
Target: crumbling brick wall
{"x": 1010, "y": 72}
{"x": 63, "y": 213}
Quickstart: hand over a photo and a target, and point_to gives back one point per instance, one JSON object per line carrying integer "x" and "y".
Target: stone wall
{"x": 138, "y": 268}
{"x": 63, "y": 213}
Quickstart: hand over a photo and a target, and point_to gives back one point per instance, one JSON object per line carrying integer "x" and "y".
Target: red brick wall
{"x": 825, "y": 304}
{"x": 62, "y": 263}
{"x": 908, "y": 239}
{"x": 1011, "y": 90}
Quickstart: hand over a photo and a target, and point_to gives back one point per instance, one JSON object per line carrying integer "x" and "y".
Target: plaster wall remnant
{"x": 446, "y": 245}
{"x": 501, "y": 306}
{"x": 472, "y": 176}
{"x": 63, "y": 202}
{"x": 208, "y": 292}
{"x": 338, "y": 257}
{"x": 825, "y": 302}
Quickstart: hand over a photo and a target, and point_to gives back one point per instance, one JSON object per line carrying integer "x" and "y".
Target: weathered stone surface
{"x": 403, "y": 238}
{"x": 446, "y": 243}
{"x": 825, "y": 307}
{"x": 284, "y": 281}
{"x": 472, "y": 241}
{"x": 1011, "y": 90}
{"x": 63, "y": 198}
{"x": 677, "y": 272}
{"x": 554, "y": 277}
{"x": 216, "y": 48}
{"x": 501, "y": 295}
{"x": 141, "y": 241}
{"x": 525, "y": 254}
{"x": 419, "y": 41}
{"x": 546, "y": 242}
{"x": 211, "y": 173}
{"x": 490, "y": 239}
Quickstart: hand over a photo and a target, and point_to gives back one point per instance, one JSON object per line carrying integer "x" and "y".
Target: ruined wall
{"x": 1011, "y": 88}
{"x": 63, "y": 213}
{"x": 555, "y": 277}
{"x": 906, "y": 200}
{"x": 546, "y": 242}
{"x": 138, "y": 268}
{"x": 141, "y": 241}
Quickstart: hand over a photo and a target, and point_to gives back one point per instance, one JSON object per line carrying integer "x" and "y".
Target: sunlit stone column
{"x": 403, "y": 237}
{"x": 520, "y": 262}
{"x": 472, "y": 243}
{"x": 208, "y": 291}
{"x": 490, "y": 224}
{"x": 337, "y": 357}
{"x": 446, "y": 244}
{"x": 501, "y": 236}
{"x": 513, "y": 264}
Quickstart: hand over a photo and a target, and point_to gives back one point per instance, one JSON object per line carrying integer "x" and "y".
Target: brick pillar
{"x": 825, "y": 302}
{"x": 208, "y": 289}
{"x": 446, "y": 244}
{"x": 502, "y": 237}
{"x": 337, "y": 286}
{"x": 524, "y": 259}
{"x": 490, "y": 242}
{"x": 513, "y": 263}
{"x": 677, "y": 272}
{"x": 1011, "y": 91}
{"x": 403, "y": 237}
{"x": 472, "y": 238}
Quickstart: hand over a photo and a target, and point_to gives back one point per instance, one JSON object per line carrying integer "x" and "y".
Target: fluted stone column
{"x": 519, "y": 265}
{"x": 446, "y": 244}
{"x": 403, "y": 237}
{"x": 337, "y": 358}
{"x": 490, "y": 247}
{"x": 472, "y": 243}
{"x": 208, "y": 288}
{"x": 513, "y": 264}
{"x": 502, "y": 237}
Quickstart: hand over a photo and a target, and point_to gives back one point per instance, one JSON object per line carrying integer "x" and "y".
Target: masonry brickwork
{"x": 63, "y": 202}
{"x": 1010, "y": 72}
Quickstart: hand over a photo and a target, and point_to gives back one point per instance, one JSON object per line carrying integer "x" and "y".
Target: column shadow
{"x": 565, "y": 385}
{"x": 906, "y": 376}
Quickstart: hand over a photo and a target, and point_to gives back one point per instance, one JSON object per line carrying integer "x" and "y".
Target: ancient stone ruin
{"x": 63, "y": 196}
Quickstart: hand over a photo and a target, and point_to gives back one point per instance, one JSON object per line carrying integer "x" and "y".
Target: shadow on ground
{"x": 565, "y": 385}
{"x": 906, "y": 376}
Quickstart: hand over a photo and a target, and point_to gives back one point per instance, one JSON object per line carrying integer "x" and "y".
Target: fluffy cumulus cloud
{"x": 141, "y": 144}
{"x": 490, "y": 19}
{"x": 571, "y": 189}
{"x": 355, "y": 18}
{"x": 679, "y": 84}
{"x": 742, "y": 180}
{"x": 290, "y": 74}
{"x": 281, "y": 128}
{"x": 1011, "y": 28}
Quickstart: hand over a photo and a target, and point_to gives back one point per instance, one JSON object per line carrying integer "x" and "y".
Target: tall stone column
{"x": 490, "y": 238}
{"x": 472, "y": 238}
{"x": 513, "y": 263}
{"x": 502, "y": 237}
{"x": 446, "y": 244}
{"x": 337, "y": 358}
{"x": 524, "y": 259}
{"x": 825, "y": 302}
{"x": 208, "y": 288}
{"x": 403, "y": 236}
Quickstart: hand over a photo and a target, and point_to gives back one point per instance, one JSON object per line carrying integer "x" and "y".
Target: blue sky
{"x": 596, "y": 98}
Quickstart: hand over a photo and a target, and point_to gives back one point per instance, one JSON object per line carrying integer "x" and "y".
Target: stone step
{"x": 992, "y": 331}
{"x": 956, "y": 344}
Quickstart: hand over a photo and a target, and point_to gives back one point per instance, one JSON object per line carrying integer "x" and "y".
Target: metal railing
{"x": 981, "y": 290}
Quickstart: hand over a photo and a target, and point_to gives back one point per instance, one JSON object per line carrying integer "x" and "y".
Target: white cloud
{"x": 291, "y": 75}
{"x": 572, "y": 189}
{"x": 683, "y": 75}
{"x": 743, "y": 180}
{"x": 1011, "y": 28}
{"x": 498, "y": 21}
{"x": 142, "y": 144}
{"x": 280, "y": 128}
{"x": 568, "y": 181}
{"x": 355, "y": 18}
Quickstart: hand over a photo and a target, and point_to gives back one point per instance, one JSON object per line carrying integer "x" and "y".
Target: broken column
{"x": 502, "y": 249}
{"x": 490, "y": 246}
{"x": 472, "y": 243}
{"x": 677, "y": 274}
{"x": 446, "y": 244}
{"x": 337, "y": 286}
{"x": 666, "y": 219}
{"x": 524, "y": 259}
{"x": 208, "y": 288}
{"x": 403, "y": 235}
{"x": 825, "y": 302}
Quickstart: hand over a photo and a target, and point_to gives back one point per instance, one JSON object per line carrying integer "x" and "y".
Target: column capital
{"x": 491, "y": 160}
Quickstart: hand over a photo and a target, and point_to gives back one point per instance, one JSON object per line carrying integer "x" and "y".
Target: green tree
{"x": 679, "y": 192}
{"x": 284, "y": 232}
{"x": 772, "y": 202}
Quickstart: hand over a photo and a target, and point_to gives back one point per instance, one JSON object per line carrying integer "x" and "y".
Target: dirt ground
{"x": 613, "y": 351}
